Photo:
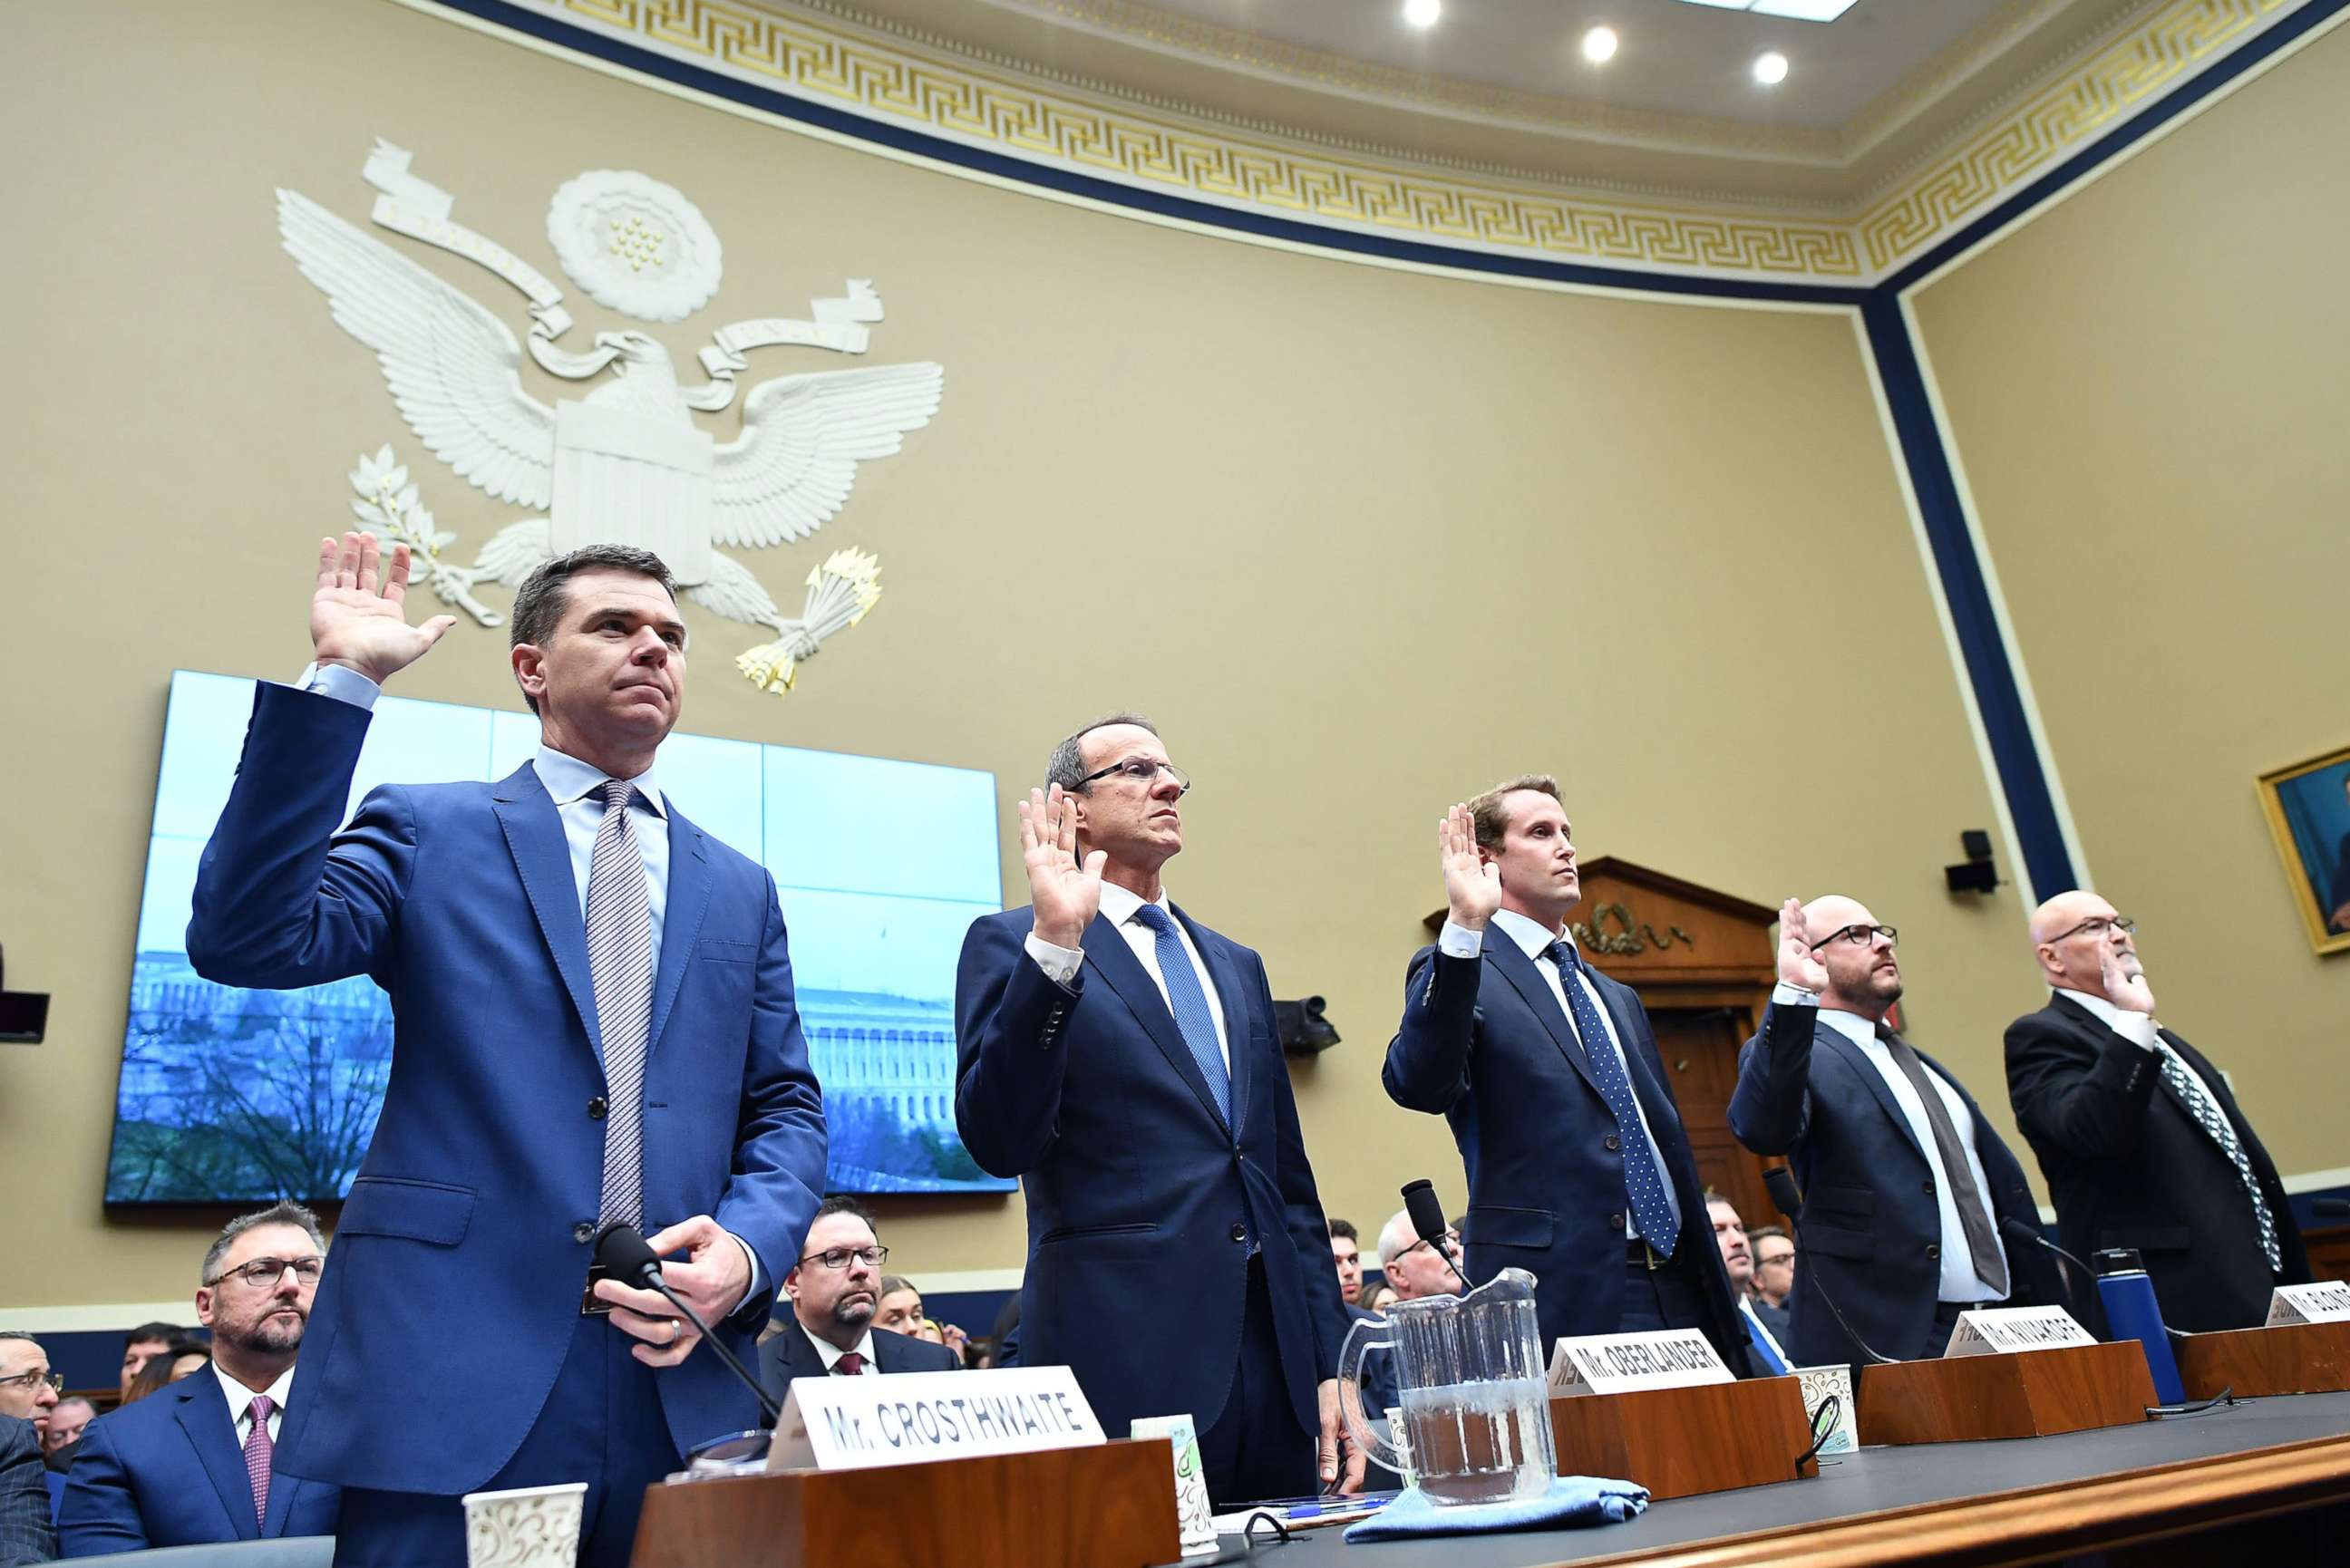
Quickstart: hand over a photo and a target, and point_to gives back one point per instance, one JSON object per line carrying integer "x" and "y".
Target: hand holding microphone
{"x": 631, "y": 1258}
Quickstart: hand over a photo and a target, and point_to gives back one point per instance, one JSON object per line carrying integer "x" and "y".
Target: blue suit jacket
{"x": 1484, "y": 1042}
{"x": 1870, "y": 1229}
{"x": 1131, "y": 1177}
{"x": 464, "y": 1244}
{"x": 167, "y": 1471}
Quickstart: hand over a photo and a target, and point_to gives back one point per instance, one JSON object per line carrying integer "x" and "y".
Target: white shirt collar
{"x": 1119, "y": 905}
{"x": 1528, "y": 933}
{"x": 833, "y": 1353}
{"x": 240, "y": 1398}
{"x": 2103, "y": 1011}
{"x": 1851, "y": 1026}
{"x": 567, "y": 778}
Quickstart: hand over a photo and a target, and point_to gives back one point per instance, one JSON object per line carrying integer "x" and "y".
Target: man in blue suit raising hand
{"x": 593, "y": 1025}
{"x": 1121, "y": 1059}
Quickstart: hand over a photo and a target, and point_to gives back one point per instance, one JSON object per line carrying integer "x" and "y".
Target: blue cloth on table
{"x": 1572, "y": 1502}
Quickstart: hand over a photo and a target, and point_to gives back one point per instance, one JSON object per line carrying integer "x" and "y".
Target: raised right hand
{"x": 1798, "y": 965}
{"x": 1472, "y": 885}
{"x": 1063, "y": 895}
{"x": 2124, "y": 980}
{"x": 359, "y": 616}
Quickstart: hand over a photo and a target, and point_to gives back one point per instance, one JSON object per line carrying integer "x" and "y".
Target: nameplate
{"x": 2005, "y": 1331}
{"x": 859, "y": 1423}
{"x": 2328, "y": 1301}
{"x": 1624, "y": 1363}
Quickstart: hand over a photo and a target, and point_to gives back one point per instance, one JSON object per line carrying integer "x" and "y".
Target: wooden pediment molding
{"x": 1644, "y": 926}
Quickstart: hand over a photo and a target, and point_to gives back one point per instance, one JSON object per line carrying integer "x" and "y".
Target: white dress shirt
{"x": 1119, "y": 907}
{"x": 2139, "y": 1031}
{"x": 1961, "y": 1283}
{"x": 1534, "y": 940}
{"x": 833, "y": 1353}
{"x": 240, "y": 1403}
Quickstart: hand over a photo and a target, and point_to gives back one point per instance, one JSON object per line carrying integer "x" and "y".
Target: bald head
{"x": 1864, "y": 977}
{"x": 2067, "y": 932}
{"x": 1831, "y": 912}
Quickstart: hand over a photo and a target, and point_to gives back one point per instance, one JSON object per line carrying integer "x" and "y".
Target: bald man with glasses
{"x": 2139, "y": 1134}
{"x": 1904, "y": 1186}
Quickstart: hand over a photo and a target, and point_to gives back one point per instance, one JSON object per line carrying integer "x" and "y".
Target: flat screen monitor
{"x": 232, "y": 1095}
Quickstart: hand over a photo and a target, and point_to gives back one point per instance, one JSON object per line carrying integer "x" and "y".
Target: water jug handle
{"x": 1369, "y": 1434}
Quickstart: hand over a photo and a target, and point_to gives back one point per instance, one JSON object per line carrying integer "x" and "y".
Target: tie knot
{"x": 850, "y": 1364}
{"x": 1563, "y": 953}
{"x": 1154, "y": 917}
{"x": 264, "y": 1407}
{"x": 618, "y": 793}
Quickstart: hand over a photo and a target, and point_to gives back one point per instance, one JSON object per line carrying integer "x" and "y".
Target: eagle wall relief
{"x": 626, "y": 462}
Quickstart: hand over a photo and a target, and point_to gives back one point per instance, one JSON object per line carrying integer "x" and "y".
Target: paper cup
{"x": 1192, "y": 1514}
{"x": 530, "y": 1527}
{"x": 1819, "y": 1383}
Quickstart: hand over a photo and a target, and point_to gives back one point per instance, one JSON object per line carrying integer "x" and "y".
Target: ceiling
{"x": 1501, "y": 87}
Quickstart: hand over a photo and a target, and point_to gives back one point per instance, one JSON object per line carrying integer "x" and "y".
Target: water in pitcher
{"x": 1481, "y": 1442}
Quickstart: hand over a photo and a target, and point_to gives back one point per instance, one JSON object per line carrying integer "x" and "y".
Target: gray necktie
{"x": 1974, "y": 1218}
{"x": 2213, "y": 1121}
{"x": 621, "y": 968}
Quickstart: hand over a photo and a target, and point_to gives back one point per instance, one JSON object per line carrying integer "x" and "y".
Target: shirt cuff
{"x": 1786, "y": 995}
{"x": 340, "y": 683}
{"x": 1060, "y": 964}
{"x": 1459, "y": 941}
{"x": 753, "y": 1291}
{"x": 2136, "y": 1028}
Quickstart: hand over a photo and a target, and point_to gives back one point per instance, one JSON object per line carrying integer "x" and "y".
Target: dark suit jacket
{"x": 167, "y": 1471}
{"x": 789, "y": 1354}
{"x": 1870, "y": 1229}
{"x": 482, "y": 1183}
{"x": 25, "y": 1535}
{"x": 1484, "y": 1042}
{"x": 2128, "y": 1166}
{"x": 1090, "y": 1096}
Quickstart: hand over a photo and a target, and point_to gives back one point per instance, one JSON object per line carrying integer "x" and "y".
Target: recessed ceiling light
{"x": 1423, "y": 13}
{"x": 1599, "y": 46}
{"x": 1770, "y": 68}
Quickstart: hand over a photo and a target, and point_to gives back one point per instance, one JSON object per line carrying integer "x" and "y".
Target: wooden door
{"x": 1700, "y": 1047}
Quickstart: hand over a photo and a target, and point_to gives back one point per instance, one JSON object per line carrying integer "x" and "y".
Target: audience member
{"x": 836, "y": 1291}
{"x": 1775, "y": 1278}
{"x": 166, "y": 1367}
{"x": 1413, "y": 1266}
{"x": 28, "y": 1388}
{"x": 66, "y": 1418}
{"x": 139, "y": 1343}
{"x": 25, "y": 1535}
{"x": 196, "y": 1462}
{"x": 1346, "y": 1250}
{"x": 1379, "y": 1296}
{"x": 1738, "y": 1262}
{"x": 901, "y": 1311}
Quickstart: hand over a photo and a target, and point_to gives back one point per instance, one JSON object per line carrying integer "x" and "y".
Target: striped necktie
{"x": 260, "y": 1454}
{"x": 620, "y": 970}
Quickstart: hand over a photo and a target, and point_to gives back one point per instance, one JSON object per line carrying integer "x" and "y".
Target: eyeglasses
{"x": 1765, "y": 1259}
{"x": 264, "y": 1272}
{"x": 1452, "y": 1244}
{"x": 35, "y": 1378}
{"x": 1859, "y": 936}
{"x": 1144, "y": 771}
{"x": 839, "y": 1257}
{"x": 2098, "y": 925}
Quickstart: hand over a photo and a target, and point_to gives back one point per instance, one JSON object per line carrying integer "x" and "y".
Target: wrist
{"x": 356, "y": 666}
{"x": 1469, "y": 919}
{"x": 1070, "y": 937}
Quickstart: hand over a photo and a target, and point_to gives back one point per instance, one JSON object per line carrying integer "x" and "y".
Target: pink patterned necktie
{"x": 258, "y": 1453}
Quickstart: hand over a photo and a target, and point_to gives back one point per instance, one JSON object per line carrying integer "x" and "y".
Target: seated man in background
{"x": 1775, "y": 1276}
{"x": 181, "y": 1358}
{"x": 1738, "y": 1262}
{"x": 195, "y": 1462}
{"x": 63, "y": 1429}
{"x": 139, "y": 1343}
{"x": 836, "y": 1291}
{"x": 25, "y": 1535}
{"x": 1347, "y": 1252}
{"x": 28, "y": 1388}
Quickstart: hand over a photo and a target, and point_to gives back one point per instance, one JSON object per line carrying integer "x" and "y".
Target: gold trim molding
{"x": 995, "y": 106}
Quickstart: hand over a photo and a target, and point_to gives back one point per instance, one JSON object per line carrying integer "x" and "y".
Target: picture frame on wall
{"x": 2308, "y": 808}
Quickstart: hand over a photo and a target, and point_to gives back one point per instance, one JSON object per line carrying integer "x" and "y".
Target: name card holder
{"x": 2256, "y": 1363}
{"x": 1662, "y": 1411}
{"x": 2022, "y": 1394}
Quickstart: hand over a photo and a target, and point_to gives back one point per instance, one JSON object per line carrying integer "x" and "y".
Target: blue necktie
{"x": 1194, "y": 1020}
{"x": 1653, "y": 1206}
{"x": 1764, "y": 1350}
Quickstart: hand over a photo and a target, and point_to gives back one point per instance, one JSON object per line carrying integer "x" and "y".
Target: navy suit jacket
{"x": 25, "y": 1535}
{"x": 1870, "y": 1229}
{"x": 167, "y": 1471}
{"x": 1485, "y": 1044}
{"x": 479, "y": 1194}
{"x": 1090, "y": 1096}
{"x": 789, "y": 1354}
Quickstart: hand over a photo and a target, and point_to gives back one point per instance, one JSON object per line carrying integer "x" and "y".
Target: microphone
{"x": 2332, "y": 1208}
{"x": 1782, "y": 1183}
{"x": 1428, "y": 1219}
{"x": 622, "y": 1253}
{"x": 2016, "y": 1229}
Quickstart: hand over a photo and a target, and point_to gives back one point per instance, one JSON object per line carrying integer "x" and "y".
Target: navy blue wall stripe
{"x": 2023, "y": 774}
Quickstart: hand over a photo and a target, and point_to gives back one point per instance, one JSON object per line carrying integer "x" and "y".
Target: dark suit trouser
{"x": 1669, "y": 1295}
{"x": 1256, "y": 1451}
{"x": 602, "y": 1425}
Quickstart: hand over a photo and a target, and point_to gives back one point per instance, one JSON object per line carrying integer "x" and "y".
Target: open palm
{"x": 1472, "y": 884}
{"x": 1798, "y": 965}
{"x": 358, "y": 613}
{"x": 1065, "y": 893}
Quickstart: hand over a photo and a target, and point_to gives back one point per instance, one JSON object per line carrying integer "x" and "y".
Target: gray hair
{"x": 1067, "y": 764}
{"x": 285, "y": 1211}
{"x": 18, "y": 1334}
{"x": 1397, "y": 1234}
{"x": 546, "y": 594}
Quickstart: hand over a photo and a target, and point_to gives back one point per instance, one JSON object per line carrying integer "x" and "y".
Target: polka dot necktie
{"x": 2210, "y": 1117}
{"x": 259, "y": 1453}
{"x": 1653, "y": 1206}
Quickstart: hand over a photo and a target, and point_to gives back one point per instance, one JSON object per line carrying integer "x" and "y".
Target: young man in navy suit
{"x": 1578, "y": 1169}
{"x": 593, "y": 1026}
{"x": 835, "y": 1289}
{"x": 1121, "y": 1059}
{"x": 196, "y": 1462}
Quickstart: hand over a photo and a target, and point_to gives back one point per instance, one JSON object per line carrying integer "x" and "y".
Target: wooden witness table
{"x": 2263, "y": 1484}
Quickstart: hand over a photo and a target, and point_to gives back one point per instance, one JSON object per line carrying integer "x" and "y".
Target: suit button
{"x": 1933, "y": 1248}
{"x": 1239, "y": 1231}
{"x": 1611, "y": 1143}
{"x": 1615, "y": 1220}
{"x": 584, "y": 1233}
{"x": 596, "y": 1109}
{"x": 1929, "y": 1189}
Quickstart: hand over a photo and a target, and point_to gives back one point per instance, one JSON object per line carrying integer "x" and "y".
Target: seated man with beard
{"x": 835, "y": 1290}
{"x": 194, "y": 1463}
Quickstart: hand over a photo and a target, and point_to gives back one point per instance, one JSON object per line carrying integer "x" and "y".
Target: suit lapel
{"x": 1858, "y": 1060}
{"x": 2095, "y": 1031}
{"x": 689, "y": 898}
{"x": 1239, "y": 1038}
{"x": 1648, "y": 1083}
{"x": 543, "y": 859}
{"x": 204, "y": 1415}
{"x": 1106, "y": 950}
{"x": 1502, "y": 950}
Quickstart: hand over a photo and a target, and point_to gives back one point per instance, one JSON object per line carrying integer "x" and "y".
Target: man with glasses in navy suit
{"x": 1120, "y": 1058}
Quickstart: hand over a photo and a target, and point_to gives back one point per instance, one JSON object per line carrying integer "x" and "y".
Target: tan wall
{"x": 2148, "y": 387}
{"x": 1362, "y": 540}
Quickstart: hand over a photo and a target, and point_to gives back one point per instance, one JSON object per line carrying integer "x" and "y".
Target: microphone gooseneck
{"x": 623, "y": 1253}
{"x": 1781, "y": 1181}
{"x": 1428, "y": 1217}
{"x": 2016, "y": 1229}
